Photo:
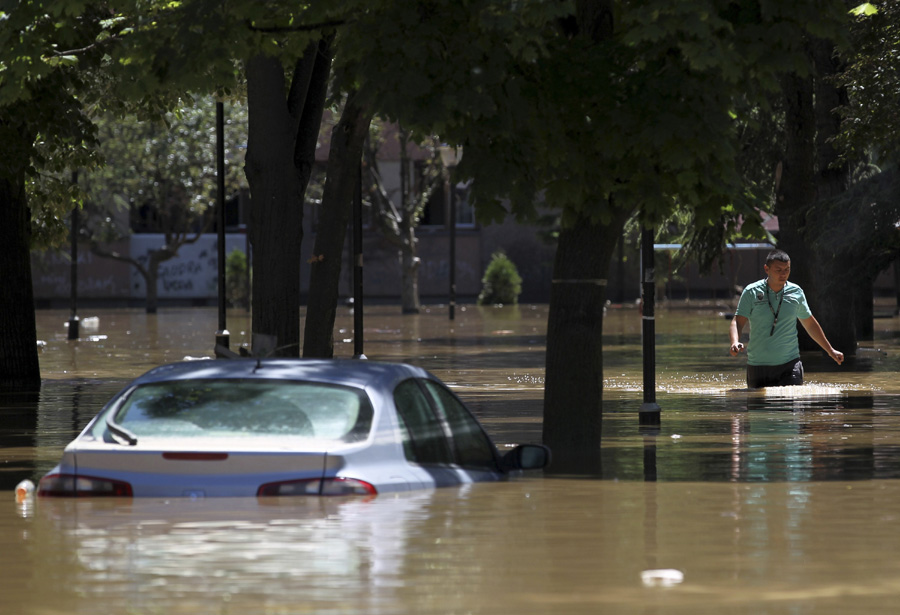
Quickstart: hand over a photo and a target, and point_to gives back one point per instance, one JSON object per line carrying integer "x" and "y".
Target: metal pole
{"x": 222, "y": 335}
{"x": 74, "y": 332}
{"x": 650, "y": 412}
{"x": 358, "y": 270}
{"x": 248, "y": 284}
{"x": 452, "y": 246}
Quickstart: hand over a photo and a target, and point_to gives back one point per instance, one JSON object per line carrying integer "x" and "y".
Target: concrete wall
{"x": 192, "y": 276}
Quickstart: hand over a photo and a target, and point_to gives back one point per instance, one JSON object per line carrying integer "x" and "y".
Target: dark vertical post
{"x": 649, "y": 413}
{"x": 74, "y": 332}
{"x": 249, "y": 285}
{"x": 620, "y": 269}
{"x": 897, "y": 284}
{"x": 452, "y": 247}
{"x": 358, "y": 270}
{"x": 222, "y": 335}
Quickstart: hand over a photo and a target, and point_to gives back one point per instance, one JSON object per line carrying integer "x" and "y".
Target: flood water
{"x": 784, "y": 501}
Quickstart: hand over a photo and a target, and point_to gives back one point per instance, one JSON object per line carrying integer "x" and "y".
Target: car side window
{"x": 424, "y": 438}
{"x": 473, "y": 447}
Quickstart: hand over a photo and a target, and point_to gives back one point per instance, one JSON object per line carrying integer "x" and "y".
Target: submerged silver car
{"x": 258, "y": 427}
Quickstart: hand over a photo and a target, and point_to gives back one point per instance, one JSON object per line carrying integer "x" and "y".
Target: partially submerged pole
{"x": 74, "y": 332}
{"x": 649, "y": 413}
{"x": 222, "y": 335}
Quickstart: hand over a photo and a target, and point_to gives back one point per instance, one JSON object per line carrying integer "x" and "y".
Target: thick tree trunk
{"x": 277, "y": 167}
{"x": 19, "y": 365}
{"x": 275, "y": 222}
{"x": 810, "y": 178}
{"x": 833, "y": 296}
{"x": 343, "y": 172}
{"x": 573, "y": 387}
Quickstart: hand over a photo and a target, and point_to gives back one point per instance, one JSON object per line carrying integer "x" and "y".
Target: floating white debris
{"x": 662, "y": 577}
{"x": 24, "y": 490}
{"x": 91, "y": 323}
{"x": 676, "y": 436}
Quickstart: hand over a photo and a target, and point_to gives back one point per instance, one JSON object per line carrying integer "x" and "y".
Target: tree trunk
{"x": 347, "y": 140}
{"x": 409, "y": 268}
{"x": 409, "y": 261}
{"x": 810, "y": 178}
{"x": 573, "y": 386}
{"x": 151, "y": 304}
{"x": 274, "y": 169}
{"x": 897, "y": 287}
{"x": 864, "y": 310}
{"x": 19, "y": 365}
{"x": 311, "y": 117}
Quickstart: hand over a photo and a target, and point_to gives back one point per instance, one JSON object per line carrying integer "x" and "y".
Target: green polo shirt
{"x": 758, "y": 304}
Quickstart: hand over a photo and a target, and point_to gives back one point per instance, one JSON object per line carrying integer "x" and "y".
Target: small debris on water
{"x": 662, "y": 577}
{"x": 24, "y": 491}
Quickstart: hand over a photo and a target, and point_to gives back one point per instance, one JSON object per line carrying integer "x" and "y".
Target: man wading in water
{"x": 773, "y": 306}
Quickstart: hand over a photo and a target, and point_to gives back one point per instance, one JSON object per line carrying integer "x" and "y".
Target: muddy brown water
{"x": 778, "y": 501}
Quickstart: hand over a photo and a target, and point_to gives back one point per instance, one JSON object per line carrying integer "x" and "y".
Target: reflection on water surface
{"x": 776, "y": 501}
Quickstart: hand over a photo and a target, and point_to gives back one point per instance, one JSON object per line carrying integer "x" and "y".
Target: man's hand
{"x": 837, "y": 355}
{"x": 734, "y": 334}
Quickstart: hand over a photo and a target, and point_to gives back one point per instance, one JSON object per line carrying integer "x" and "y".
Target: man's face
{"x": 778, "y": 271}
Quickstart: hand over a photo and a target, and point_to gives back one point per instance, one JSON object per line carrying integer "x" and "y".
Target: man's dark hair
{"x": 777, "y": 255}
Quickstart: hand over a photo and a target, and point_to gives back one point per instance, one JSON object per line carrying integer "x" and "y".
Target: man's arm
{"x": 737, "y": 327}
{"x": 814, "y": 329}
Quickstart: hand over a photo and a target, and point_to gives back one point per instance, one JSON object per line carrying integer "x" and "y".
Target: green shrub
{"x": 501, "y": 282}
{"x": 236, "y": 286}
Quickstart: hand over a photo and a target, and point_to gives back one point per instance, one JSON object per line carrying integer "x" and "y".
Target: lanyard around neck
{"x": 774, "y": 311}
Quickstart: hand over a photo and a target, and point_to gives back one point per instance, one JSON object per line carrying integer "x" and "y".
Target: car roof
{"x": 349, "y": 372}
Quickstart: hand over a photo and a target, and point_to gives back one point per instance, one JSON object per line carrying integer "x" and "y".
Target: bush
{"x": 501, "y": 282}
{"x": 236, "y": 273}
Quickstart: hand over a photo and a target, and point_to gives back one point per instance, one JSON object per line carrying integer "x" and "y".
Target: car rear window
{"x": 234, "y": 408}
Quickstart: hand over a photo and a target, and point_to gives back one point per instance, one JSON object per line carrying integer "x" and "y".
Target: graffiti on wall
{"x": 190, "y": 275}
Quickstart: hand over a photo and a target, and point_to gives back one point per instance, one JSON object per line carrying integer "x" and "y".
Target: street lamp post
{"x": 450, "y": 157}
{"x": 649, "y": 413}
{"x": 222, "y": 335}
{"x": 74, "y": 323}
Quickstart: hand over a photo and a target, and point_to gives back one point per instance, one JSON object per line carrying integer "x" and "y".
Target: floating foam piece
{"x": 662, "y": 577}
{"x": 24, "y": 490}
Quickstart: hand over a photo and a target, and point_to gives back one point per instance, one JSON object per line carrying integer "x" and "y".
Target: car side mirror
{"x": 526, "y": 457}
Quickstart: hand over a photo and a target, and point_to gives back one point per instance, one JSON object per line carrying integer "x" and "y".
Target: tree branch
{"x": 301, "y": 28}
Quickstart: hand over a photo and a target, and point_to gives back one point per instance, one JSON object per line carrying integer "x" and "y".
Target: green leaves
{"x": 864, "y": 10}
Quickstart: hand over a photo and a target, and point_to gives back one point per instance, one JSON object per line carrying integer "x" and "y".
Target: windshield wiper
{"x": 120, "y": 433}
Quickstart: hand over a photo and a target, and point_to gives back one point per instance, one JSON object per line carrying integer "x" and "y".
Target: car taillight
{"x": 75, "y": 485}
{"x": 318, "y": 486}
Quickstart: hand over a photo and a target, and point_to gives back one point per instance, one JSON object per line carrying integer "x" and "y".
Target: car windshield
{"x": 235, "y": 408}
